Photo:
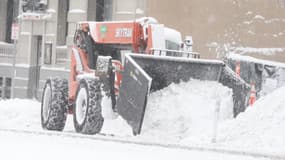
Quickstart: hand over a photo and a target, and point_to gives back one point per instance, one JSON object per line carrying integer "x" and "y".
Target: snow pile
{"x": 263, "y": 51}
{"x": 235, "y": 56}
{"x": 260, "y": 126}
{"x": 186, "y": 111}
{"x": 179, "y": 111}
{"x": 183, "y": 113}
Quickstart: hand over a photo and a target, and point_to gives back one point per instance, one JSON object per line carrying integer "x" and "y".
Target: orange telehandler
{"x": 106, "y": 79}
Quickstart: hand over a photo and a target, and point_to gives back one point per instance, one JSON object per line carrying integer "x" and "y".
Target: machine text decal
{"x": 124, "y": 32}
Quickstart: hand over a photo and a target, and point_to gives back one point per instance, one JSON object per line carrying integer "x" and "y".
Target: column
{"x": 3, "y": 19}
{"x": 77, "y": 12}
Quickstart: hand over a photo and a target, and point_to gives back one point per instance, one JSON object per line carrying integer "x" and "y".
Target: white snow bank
{"x": 263, "y": 51}
{"x": 261, "y": 126}
{"x": 252, "y": 59}
{"x": 186, "y": 111}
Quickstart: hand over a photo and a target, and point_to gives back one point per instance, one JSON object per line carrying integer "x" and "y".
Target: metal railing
{"x": 62, "y": 55}
{"x": 7, "y": 50}
{"x": 174, "y": 53}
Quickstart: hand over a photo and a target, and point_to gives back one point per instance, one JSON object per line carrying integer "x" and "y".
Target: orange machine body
{"x": 117, "y": 35}
{"x": 120, "y": 32}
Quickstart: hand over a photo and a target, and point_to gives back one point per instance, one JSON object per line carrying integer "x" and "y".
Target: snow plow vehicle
{"x": 114, "y": 67}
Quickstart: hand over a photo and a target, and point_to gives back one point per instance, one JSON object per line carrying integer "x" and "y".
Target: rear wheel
{"x": 54, "y": 104}
{"x": 87, "y": 115}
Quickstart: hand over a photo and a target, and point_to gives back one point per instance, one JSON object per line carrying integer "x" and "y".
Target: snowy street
{"x": 45, "y": 147}
{"x": 257, "y": 133}
{"x": 142, "y": 79}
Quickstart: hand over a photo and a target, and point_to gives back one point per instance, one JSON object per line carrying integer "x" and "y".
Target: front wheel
{"x": 87, "y": 115}
{"x": 54, "y": 104}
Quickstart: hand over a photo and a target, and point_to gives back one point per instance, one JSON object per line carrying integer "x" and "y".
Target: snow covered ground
{"x": 182, "y": 113}
{"x": 19, "y": 146}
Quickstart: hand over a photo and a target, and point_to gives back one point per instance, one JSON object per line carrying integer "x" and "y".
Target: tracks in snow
{"x": 125, "y": 140}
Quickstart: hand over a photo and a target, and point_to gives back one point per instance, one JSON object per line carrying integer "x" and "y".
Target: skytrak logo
{"x": 124, "y": 32}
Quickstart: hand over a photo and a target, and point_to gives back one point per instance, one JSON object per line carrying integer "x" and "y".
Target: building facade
{"x": 45, "y": 32}
{"x": 254, "y": 27}
{"x": 8, "y": 14}
{"x": 45, "y": 35}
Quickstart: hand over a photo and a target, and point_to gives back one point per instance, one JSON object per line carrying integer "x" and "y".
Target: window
{"x": 48, "y": 53}
{"x": 1, "y": 81}
{"x": 5, "y": 87}
{"x": 171, "y": 45}
{"x": 1, "y": 87}
{"x": 34, "y": 5}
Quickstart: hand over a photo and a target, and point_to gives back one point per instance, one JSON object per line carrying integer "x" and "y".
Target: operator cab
{"x": 84, "y": 41}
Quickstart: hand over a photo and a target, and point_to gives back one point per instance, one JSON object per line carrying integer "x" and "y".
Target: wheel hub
{"x": 81, "y": 106}
{"x": 46, "y": 102}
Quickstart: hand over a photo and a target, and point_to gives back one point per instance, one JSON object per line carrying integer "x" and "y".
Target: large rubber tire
{"x": 54, "y": 104}
{"x": 87, "y": 112}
